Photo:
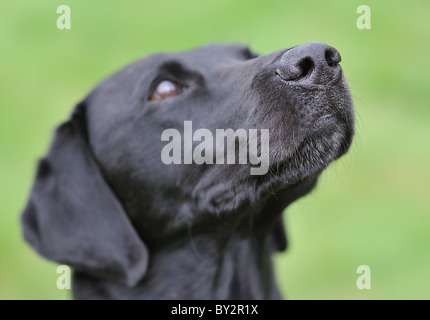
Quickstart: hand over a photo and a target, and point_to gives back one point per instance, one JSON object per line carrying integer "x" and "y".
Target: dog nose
{"x": 310, "y": 63}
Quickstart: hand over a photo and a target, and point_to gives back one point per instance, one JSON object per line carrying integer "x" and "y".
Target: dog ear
{"x": 74, "y": 218}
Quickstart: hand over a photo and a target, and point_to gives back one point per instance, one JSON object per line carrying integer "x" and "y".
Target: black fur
{"x": 132, "y": 227}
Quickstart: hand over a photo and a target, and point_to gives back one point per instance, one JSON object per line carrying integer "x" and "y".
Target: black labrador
{"x": 136, "y": 226}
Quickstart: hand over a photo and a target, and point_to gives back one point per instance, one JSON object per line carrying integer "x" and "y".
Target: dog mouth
{"x": 327, "y": 139}
{"x": 317, "y": 150}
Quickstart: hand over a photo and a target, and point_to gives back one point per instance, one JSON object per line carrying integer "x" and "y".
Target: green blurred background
{"x": 372, "y": 207}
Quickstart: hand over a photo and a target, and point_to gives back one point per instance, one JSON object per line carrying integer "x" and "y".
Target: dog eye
{"x": 165, "y": 89}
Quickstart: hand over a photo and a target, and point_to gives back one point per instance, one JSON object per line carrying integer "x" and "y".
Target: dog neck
{"x": 224, "y": 256}
{"x": 227, "y": 260}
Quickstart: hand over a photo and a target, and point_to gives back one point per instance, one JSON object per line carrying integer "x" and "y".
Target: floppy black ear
{"x": 74, "y": 218}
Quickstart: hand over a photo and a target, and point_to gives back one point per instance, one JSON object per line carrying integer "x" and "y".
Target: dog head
{"x": 105, "y": 188}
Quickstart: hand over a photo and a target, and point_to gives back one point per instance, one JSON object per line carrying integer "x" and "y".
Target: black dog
{"x": 133, "y": 227}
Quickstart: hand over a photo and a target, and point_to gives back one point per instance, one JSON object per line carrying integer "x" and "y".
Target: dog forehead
{"x": 203, "y": 58}
{"x": 200, "y": 59}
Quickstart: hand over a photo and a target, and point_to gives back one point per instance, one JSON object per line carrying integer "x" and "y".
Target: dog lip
{"x": 323, "y": 122}
{"x": 327, "y": 129}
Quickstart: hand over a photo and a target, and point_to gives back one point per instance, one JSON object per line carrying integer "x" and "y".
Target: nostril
{"x": 332, "y": 57}
{"x": 305, "y": 65}
{"x": 310, "y": 63}
{"x": 293, "y": 69}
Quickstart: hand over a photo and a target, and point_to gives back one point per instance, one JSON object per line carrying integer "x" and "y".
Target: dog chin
{"x": 311, "y": 157}
{"x": 299, "y": 166}
{"x": 223, "y": 199}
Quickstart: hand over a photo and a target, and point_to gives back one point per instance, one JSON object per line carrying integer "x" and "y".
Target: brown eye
{"x": 164, "y": 90}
